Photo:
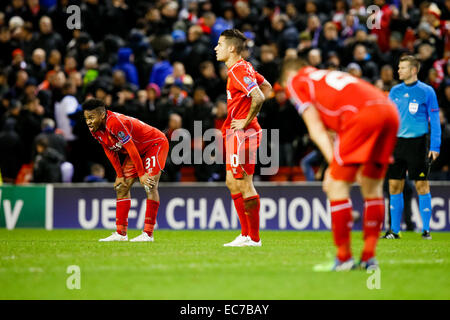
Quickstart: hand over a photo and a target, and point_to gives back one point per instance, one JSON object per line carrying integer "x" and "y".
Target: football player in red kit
{"x": 145, "y": 149}
{"x": 366, "y": 124}
{"x": 242, "y": 133}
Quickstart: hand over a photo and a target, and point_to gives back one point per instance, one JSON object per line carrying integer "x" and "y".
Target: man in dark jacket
{"x": 46, "y": 163}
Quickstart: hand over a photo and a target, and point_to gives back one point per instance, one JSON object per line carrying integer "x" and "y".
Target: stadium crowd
{"x": 154, "y": 60}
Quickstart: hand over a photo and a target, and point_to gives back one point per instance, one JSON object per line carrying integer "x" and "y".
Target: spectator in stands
{"x": 64, "y": 108}
{"x": 386, "y": 80}
{"x": 199, "y": 50}
{"x": 284, "y": 33}
{"x": 161, "y": 69}
{"x": 201, "y": 110}
{"x": 48, "y": 39}
{"x": 97, "y": 174}
{"x": 355, "y": 70}
{"x": 314, "y": 28}
{"x": 315, "y": 58}
{"x": 47, "y": 163}
{"x": 363, "y": 59}
{"x": 12, "y": 151}
{"x": 220, "y": 113}
{"x": 37, "y": 67}
{"x": 148, "y": 100}
{"x": 209, "y": 80}
{"x": 269, "y": 66}
{"x": 172, "y": 170}
{"x": 54, "y": 60}
{"x": 54, "y": 136}
{"x": 280, "y": 114}
{"x": 179, "y": 74}
{"x": 331, "y": 40}
{"x": 125, "y": 63}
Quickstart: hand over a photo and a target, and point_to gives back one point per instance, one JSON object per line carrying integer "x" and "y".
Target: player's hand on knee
{"x": 147, "y": 181}
{"x": 120, "y": 184}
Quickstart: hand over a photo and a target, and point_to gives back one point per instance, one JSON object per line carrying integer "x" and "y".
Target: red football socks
{"x": 341, "y": 224}
{"x": 240, "y": 209}
{"x": 122, "y": 208}
{"x": 373, "y": 219}
{"x": 252, "y": 205}
{"x": 150, "y": 216}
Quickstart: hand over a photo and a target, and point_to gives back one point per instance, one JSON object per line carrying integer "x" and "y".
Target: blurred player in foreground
{"x": 242, "y": 133}
{"x": 366, "y": 125}
{"x": 145, "y": 149}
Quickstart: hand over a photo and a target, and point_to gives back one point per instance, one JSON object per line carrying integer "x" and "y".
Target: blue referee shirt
{"x": 419, "y": 110}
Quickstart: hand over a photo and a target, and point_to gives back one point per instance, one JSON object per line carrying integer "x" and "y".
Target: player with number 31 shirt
{"x": 145, "y": 149}
{"x": 365, "y": 124}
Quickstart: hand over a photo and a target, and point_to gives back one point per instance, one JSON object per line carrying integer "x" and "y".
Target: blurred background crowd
{"x": 154, "y": 60}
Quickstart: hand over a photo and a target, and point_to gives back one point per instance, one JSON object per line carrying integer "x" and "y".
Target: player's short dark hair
{"x": 236, "y": 37}
{"x": 413, "y": 61}
{"x": 292, "y": 64}
{"x": 93, "y": 104}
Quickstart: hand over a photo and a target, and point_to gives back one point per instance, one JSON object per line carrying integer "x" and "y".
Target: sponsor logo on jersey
{"x": 229, "y": 95}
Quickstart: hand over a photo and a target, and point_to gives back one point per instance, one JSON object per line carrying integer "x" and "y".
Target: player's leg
{"x": 396, "y": 175}
{"x": 233, "y": 172}
{"x": 252, "y": 206}
{"x": 154, "y": 163}
{"x": 152, "y": 207}
{"x": 233, "y": 186}
{"x": 396, "y": 204}
{"x": 123, "y": 204}
{"x": 372, "y": 192}
{"x": 423, "y": 190}
{"x": 338, "y": 193}
{"x": 418, "y": 169}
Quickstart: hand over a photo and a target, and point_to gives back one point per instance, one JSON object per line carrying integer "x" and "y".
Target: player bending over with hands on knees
{"x": 145, "y": 151}
{"x": 366, "y": 124}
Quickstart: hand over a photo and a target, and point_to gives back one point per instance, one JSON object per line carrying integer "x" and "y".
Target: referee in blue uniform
{"x": 418, "y": 144}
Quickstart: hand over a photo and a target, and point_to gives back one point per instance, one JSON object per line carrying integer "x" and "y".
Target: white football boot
{"x": 238, "y": 242}
{"x": 115, "y": 237}
{"x": 251, "y": 243}
{"x": 143, "y": 237}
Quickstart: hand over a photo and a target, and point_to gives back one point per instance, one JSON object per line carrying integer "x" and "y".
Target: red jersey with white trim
{"x": 242, "y": 79}
{"x": 337, "y": 95}
{"x": 119, "y": 131}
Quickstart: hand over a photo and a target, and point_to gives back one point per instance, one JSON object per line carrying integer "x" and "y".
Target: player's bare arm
{"x": 266, "y": 88}
{"x": 318, "y": 132}
{"x": 257, "y": 101}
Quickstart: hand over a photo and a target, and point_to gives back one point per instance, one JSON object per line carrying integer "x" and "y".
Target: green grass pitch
{"x": 194, "y": 265}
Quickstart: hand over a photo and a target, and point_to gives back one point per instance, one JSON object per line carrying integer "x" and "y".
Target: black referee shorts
{"x": 410, "y": 154}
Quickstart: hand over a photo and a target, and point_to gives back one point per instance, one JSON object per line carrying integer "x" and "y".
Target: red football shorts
{"x": 241, "y": 147}
{"x": 154, "y": 159}
{"x": 366, "y": 140}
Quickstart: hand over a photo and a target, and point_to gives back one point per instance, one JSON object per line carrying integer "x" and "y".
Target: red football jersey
{"x": 242, "y": 79}
{"x": 336, "y": 95}
{"x": 119, "y": 131}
